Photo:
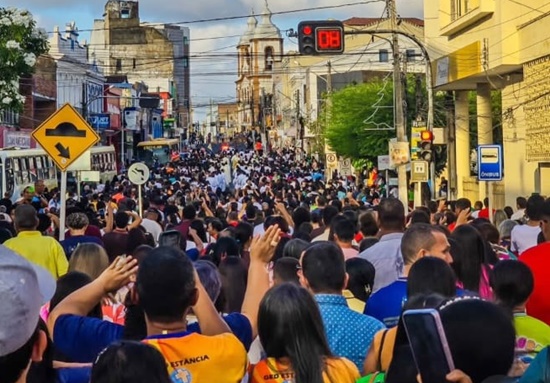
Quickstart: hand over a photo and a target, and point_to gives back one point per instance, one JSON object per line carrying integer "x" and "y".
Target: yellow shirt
{"x": 40, "y": 250}
{"x": 354, "y": 303}
{"x": 337, "y": 370}
{"x": 193, "y": 357}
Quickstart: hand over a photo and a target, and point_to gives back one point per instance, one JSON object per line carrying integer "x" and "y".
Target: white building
{"x": 79, "y": 80}
{"x": 259, "y": 49}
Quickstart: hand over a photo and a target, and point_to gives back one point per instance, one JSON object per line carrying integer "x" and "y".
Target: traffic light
{"x": 321, "y": 37}
{"x": 426, "y": 145}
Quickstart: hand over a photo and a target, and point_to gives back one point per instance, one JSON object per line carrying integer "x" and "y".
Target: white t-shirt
{"x": 152, "y": 227}
{"x": 524, "y": 237}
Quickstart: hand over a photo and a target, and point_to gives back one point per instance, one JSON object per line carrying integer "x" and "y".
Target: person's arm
{"x": 206, "y": 209}
{"x": 261, "y": 252}
{"x": 210, "y": 321}
{"x": 109, "y": 218}
{"x": 196, "y": 239}
{"x": 136, "y": 220}
{"x": 284, "y": 213}
{"x": 83, "y": 300}
{"x": 371, "y": 361}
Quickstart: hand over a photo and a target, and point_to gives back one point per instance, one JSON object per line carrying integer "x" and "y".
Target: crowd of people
{"x": 251, "y": 267}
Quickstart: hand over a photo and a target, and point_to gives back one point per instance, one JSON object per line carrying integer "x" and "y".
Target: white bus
{"x": 20, "y": 168}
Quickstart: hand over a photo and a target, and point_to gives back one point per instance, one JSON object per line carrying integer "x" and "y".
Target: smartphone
{"x": 170, "y": 238}
{"x": 430, "y": 349}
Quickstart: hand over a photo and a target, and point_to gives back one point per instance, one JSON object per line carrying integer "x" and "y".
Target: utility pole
{"x": 298, "y": 123}
{"x": 398, "y": 102}
{"x": 451, "y": 146}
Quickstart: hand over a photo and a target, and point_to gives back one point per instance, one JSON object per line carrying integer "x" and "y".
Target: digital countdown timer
{"x": 321, "y": 37}
{"x": 328, "y": 39}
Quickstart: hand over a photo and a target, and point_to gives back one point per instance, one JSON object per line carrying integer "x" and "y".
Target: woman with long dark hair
{"x": 469, "y": 260}
{"x": 294, "y": 340}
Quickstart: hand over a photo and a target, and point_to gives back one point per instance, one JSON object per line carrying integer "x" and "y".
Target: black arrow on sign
{"x": 63, "y": 151}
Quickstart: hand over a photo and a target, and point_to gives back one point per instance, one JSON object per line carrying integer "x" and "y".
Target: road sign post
{"x": 138, "y": 174}
{"x": 420, "y": 172}
{"x": 489, "y": 169}
{"x": 65, "y": 136}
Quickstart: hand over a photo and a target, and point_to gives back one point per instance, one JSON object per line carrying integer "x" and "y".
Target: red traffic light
{"x": 307, "y": 30}
{"x": 426, "y": 135}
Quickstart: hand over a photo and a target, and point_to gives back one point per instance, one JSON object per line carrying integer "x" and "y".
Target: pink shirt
{"x": 350, "y": 253}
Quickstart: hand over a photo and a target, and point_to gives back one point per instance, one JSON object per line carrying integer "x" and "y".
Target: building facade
{"x": 259, "y": 51}
{"x": 80, "y": 82}
{"x": 496, "y": 45}
{"x": 157, "y": 55}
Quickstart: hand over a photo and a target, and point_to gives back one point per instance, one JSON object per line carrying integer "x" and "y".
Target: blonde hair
{"x": 90, "y": 259}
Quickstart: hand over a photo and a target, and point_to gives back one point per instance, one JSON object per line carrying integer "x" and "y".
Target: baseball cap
{"x": 24, "y": 288}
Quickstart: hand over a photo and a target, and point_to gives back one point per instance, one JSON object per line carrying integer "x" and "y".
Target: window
{"x": 185, "y": 62}
{"x": 124, "y": 13}
{"x": 411, "y": 55}
{"x": 118, "y": 66}
{"x": 133, "y": 63}
{"x": 383, "y": 56}
{"x": 268, "y": 58}
{"x": 185, "y": 40}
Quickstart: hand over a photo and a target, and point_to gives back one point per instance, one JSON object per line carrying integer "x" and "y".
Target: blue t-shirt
{"x": 70, "y": 244}
{"x": 387, "y": 303}
{"x": 74, "y": 375}
{"x": 81, "y": 338}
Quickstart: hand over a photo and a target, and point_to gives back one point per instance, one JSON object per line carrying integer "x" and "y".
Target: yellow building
{"x": 492, "y": 45}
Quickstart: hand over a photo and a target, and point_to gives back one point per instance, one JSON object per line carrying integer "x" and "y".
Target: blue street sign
{"x": 100, "y": 121}
{"x": 489, "y": 160}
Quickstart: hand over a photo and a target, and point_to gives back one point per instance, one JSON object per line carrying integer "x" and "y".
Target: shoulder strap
{"x": 380, "y": 349}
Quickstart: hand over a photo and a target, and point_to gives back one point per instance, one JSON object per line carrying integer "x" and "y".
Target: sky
{"x": 212, "y": 79}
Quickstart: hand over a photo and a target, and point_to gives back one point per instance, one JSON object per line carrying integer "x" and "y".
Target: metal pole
{"x": 78, "y": 184}
{"x": 122, "y": 138}
{"x": 140, "y": 201}
{"x": 452, "y": 186}
{"x": 398, "y": 107}
{"x": 430, "y": 122}
{"x": 63, "y": 202}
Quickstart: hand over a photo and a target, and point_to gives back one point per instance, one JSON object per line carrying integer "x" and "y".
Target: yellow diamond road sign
{"x": 65, "y": 136}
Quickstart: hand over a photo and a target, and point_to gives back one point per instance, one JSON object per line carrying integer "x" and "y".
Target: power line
{"x": 228, "y": 18}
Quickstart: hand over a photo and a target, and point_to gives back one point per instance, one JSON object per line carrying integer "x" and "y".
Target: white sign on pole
{"x": 138, "y": 173}
{"x": 383, "y": 163}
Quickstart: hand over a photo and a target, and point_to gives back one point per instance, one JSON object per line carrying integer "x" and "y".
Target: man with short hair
{"x": 386, "y": 254}
{"x": 150, "y": 223}
{"x": 116, "y": 241}
{"x": 461, "y": 205}
{"x": 419, "y": 241}
{"x": 78, "y": 223}
{"x": 344, "y": 231}
{"x": 328, "y": 213}
{"x": 24, "y": 289}
{"x": 33, "y": 246}
{"x": 323, "y": 272}
{"x": 521, "y": 204}
{"x": 524, "y": 237}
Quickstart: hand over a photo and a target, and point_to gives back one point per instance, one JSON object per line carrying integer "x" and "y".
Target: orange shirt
{"x": 193, "y": 357}
{"x": 270, "y": 370}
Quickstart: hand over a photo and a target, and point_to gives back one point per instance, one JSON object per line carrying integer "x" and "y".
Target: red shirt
{"x": 538, "y": 260}
{"x": 484, "y": 213}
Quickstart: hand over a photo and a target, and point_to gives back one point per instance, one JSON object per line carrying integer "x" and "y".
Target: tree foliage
{"x": 355, "y": 109}
{"x": 20, "y": 44}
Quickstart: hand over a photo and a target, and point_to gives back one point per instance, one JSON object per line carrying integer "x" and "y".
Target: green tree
{"x": 357, "y": 117}
{"x": 20, "y": 44}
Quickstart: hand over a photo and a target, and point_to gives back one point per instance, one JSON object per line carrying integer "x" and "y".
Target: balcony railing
{"x": 9, "y": 117}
